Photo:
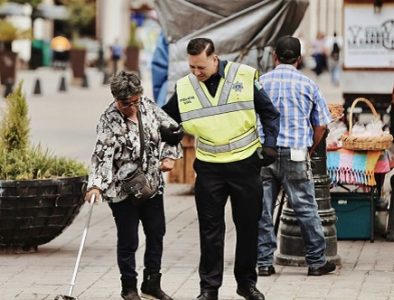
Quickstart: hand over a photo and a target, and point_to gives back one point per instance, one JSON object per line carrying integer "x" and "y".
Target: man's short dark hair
{"x": 198, "y": 45}
{"x": 288, "y": 49}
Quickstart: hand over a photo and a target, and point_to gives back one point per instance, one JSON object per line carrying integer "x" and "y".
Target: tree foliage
{"x": 34, "y": 3}
{"x": 81, "y": 13}
{"x": 9, "y": 32}
{"x": 134, "y": 41}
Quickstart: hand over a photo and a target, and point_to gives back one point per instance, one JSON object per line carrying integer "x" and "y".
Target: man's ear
{"x": 299, "y": 61}
{"x": 275, "y": 58}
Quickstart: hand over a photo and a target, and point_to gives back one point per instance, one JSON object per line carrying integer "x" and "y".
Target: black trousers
{"x": 215, "y": 182}
{"x": 127, "y": 217}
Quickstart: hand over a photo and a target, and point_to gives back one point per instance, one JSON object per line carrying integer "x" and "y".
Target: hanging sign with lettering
{"x": 368, "y": 36}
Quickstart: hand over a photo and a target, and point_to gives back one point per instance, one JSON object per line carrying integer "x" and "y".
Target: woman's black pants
{"x": 127, "y": 217}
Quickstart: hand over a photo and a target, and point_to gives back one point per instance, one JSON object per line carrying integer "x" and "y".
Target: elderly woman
{"x": 116, "y": 157}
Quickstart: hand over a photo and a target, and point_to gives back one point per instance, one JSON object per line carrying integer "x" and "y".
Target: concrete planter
{"x": 34, "y": 212}
{"x": 78, "y": 62}
{"x": 132, "y": 59}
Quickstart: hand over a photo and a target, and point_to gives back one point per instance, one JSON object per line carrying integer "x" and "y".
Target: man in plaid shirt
{"x": 303, "y": 119}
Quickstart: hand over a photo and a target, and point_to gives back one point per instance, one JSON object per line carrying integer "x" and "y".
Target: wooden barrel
{"x": 183, "y": 171}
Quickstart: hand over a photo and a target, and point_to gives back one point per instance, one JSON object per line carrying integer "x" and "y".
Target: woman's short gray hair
{"x": 125, "y": 84}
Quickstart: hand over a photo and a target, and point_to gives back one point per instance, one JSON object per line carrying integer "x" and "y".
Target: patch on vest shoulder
{"x": 187, "y": 100}
{"x": 238, "y": 86}
{"x": 257, "y": 85}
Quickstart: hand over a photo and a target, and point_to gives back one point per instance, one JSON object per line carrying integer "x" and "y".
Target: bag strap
{"x": 141, "y": 131}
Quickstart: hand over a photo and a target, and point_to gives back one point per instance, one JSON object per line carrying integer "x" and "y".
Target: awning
{"x": 239, "y": 29}
{"x": 46, "y": 11}
{"x": 53, "y": 12}
{"x": 14, "y": 9}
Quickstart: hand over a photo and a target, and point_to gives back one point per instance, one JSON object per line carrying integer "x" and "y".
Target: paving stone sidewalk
{"x": 367, "y": 270}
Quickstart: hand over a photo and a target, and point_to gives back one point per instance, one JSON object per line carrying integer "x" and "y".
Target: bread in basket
{"x": 380, "y": 141}
{"x": 336, "y": 110}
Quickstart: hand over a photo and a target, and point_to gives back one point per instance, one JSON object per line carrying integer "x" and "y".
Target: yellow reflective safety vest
{"x": 224, "y": 125}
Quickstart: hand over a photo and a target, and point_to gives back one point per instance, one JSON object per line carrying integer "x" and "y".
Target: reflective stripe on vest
{"x": 215, "y": 110}
{"x": 243, "y": 142}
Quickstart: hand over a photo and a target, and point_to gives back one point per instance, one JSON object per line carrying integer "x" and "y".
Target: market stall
{"x": 357, "y": 162}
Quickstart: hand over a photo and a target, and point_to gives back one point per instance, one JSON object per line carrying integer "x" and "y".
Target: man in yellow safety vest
{"x": 217, "y": 103}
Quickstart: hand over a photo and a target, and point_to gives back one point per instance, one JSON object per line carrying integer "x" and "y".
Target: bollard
{"x": 291, "y": 245}
{"x": 105, "y": 78}
{"x": 8, "y": 87}
{"x": 37, "y": 87}
{"x": 100, "y": 59}
{"x": 62, "y": 86}
{"x": 85, "y": 81}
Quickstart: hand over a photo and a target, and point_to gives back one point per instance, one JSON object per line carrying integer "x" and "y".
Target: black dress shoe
{"x": 266, "y": 270}
{"x": 327, "y": 268}
{"x": 250, "y": 293}
{"x": 208, "y": 295}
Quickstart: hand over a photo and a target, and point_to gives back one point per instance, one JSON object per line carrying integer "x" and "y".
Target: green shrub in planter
{"x": 20, "y": 160}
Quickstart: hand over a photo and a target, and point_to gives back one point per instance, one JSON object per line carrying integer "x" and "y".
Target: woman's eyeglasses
{"x": 127, "y": 104}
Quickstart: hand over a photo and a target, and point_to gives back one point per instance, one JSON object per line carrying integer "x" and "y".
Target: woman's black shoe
{"x": 130, "y": 295}
{"x": 151, "y": 287}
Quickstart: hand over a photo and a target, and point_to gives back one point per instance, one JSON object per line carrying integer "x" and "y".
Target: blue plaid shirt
{"x": 300, "y": 103}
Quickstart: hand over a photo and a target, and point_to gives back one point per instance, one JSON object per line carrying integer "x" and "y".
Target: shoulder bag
{"x": 137, "y": 185}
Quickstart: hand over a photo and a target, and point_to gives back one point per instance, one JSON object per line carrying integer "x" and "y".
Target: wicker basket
{"x": 365, "y": 143}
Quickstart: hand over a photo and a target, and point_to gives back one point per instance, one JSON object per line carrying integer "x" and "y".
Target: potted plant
{"x": 78, "y": 61}
{"x": 8, "y": 59}
{"x": 81, "y": 13}
{"x": 40, "y": 193}
{"x": 134, "y": 45}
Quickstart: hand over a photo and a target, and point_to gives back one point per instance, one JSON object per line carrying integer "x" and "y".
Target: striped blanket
{"x": 356, "y": 167}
